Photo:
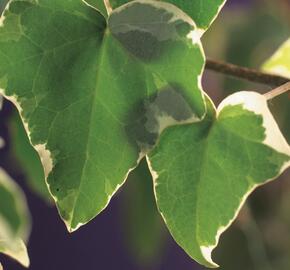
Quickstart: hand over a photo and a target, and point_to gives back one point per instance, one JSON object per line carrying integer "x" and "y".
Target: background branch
{"x": 245, "y": 73}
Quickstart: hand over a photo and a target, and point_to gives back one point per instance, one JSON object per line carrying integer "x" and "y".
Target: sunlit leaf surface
{"x": 204, "y": 172}
{"x": 84, "y": 85}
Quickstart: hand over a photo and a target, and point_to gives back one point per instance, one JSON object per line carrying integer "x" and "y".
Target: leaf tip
{"x": 206, "y": 252}
{"x": 70, "y": 228}
{"x": 20, "y": 254}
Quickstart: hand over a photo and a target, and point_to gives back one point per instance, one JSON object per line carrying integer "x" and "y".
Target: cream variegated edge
{"x": 203, "y": 30}
{"x": 2, "y": 16}
{"x": 199, "y": 31}
{"x": 48, "y": 162}
{"x": 45, "y": 154}
{"x": 154, "y": 174}
{"x": 195, "y": 37}
{"x": 91, "y": 6}
{"x": 256, "y": 103}
{"x": 71, "y": 230}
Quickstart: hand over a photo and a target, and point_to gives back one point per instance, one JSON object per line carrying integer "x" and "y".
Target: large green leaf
{"x": 279, "y": 63}
{"x": 204, "y": 172}
{"x": 203, "y": 12}
{"x": 82, "y": 88}
{"x": 14, "y": 220}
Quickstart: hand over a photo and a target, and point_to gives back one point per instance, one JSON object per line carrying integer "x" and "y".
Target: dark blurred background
{"x": 129, "y": 234}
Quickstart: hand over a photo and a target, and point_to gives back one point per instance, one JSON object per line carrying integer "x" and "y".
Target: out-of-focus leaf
{"x": 279, "y": 63}
{"x": 27, "y": 158}
{"x": 143, "y": 226}
{"x": 14, "y": 220}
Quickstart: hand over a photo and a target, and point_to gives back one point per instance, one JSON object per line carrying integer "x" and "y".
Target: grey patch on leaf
{"x": 164, "y": 109}
{"x": 145, "y": 30}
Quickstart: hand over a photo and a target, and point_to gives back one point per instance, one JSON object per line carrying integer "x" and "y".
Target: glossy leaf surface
{"x": 203, "y": 12}
{"x": 83, "y": 86}
{"x": 204, "y": 172}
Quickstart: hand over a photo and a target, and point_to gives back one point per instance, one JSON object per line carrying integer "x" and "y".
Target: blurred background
{"x": 129, "y": 234}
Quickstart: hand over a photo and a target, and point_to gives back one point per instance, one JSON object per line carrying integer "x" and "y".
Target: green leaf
{"x": 279, "y": 63}
{"x": 14, "y": 220}
{"x": 203, "y": 12}
{"x": 28, "y": 158}
{"x": 204, "y": 172}
{"x": 81, "y": 85}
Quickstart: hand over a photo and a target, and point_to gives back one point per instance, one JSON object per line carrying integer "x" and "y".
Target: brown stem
{"x": 245, "y": 73}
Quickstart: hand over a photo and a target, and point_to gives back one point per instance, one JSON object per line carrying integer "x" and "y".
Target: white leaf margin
{"x": 46, "y": 157}
{"x": 256, "y": 103}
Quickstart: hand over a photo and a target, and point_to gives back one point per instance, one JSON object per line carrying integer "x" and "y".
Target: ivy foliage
{"x": 203, "y": 12}
{"x": 80, "y": 69}
{"x": 97, "y": 92}
{"x": 204, "y": 172}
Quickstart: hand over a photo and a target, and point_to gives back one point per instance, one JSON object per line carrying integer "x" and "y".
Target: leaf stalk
{"x": 108, "y": 6}
{"x": 278, "y": 91}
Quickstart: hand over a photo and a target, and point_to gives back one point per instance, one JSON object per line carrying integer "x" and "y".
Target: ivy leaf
{"x": 81, "y": 84}
{"x": 203, "y": 12}
{"x": 27, "y": 158}
{"x": 204, "y": 172}
{"x": 279, "y": 63}
{"x": 14, "y": 217}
